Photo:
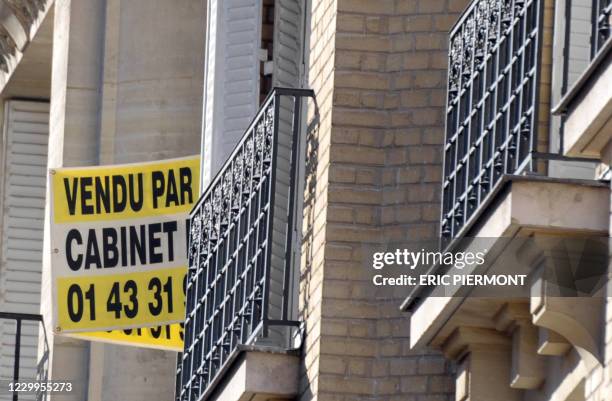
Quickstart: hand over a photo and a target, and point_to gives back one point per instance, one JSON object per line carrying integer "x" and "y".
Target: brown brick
{"x": 374, "y": 62}
{"x": 388, "y": 386}
{"x": 394, "y": 62}
{"x": 407, "y": 137}
{"x": 376, "y": 24}
{"x": 357, "y": 154}
{"x": 350, "y": 23}
{"x": 431, "y": 365}
{"x": 390, "y": 348}
{"x": 409, "y": 174}
{"x": 414, "y": 98}
{"x": 353, "y": 41}
{"x": 414, "y": 384}
{"x": 346, "y": 97}
{"x": 362, "y": 80}
{"x": 457, "y": 6}
{"x": 403, "y": 366}
{"x": 342, "y": 174}
{"x": 348, "y": 59}
{"x": 396, "y": 24}
{"x": 426, "y": 117}
{"x": 341, "y": 214}
{"x": 429, "y": 79}
{"x": 408, "y": 214}
{"x": 380, "y": 368}
{"x": 402, "y": 43}
{"x": 396, "y": 156}
{"x": 432, "y": 174}
{"x": 332, "y": 364}
{"x": 367, "y": 176}
{"x": 361, "y": 117}
{"x": 357, "y": 367}
{"x": 366, "y": 6}
{"x": 431, "y": 6}
{"x": 416, "y": 61}
{"x": 364, "y": 215}
{"x": 418, "y": 23}
{"x": 391, "y": 101}
{"x": 403, "y": 80}
{"x": 429, "y": 41}
{"x": 406, "y": 7}
{"x": 334, "y": 327}
{"x": 346, "y": 385}
{"x": 372, "y": 100}
{"x": 444, "y": 22}
{"x": 441, "y": 384}
{"x": 338, "y": 252}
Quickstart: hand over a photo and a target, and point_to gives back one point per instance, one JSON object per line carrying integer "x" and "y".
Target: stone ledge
{"x": 259, "y": 374}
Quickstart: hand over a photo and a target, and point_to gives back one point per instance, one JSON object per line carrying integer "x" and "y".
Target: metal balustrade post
{"x": 17, "y": 356}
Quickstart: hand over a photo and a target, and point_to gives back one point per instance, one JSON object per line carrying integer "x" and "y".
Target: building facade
{"x": 327, "y": 129}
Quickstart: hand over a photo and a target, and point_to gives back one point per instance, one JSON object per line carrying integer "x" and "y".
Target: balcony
{"x": 506, "y": 196}
{"x": 20, "y": 337}
{"x": 493, "y": 104}
{"x": 240, "y": 310}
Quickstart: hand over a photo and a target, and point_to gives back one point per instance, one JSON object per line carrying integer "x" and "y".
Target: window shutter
{"x": 26, "y": 133}
{"x": 231, "y": 81}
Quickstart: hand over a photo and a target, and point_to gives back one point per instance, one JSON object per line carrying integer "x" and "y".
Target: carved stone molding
{"x": 19, "y": 22}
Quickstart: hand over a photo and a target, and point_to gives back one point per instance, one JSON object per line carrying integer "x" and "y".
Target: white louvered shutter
{"x": 26, "y": 133}
{"x": 231, "y": 82}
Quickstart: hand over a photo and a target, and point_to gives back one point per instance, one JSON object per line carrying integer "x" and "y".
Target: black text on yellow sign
{"x": 124, "y": 192}
{"x": 86, "y": 303}
{"x": 119, "y": 240}
{"x": 124, "y": 246}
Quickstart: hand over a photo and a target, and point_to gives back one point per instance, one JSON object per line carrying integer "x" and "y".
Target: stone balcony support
{"x": 551, "y": 343}
{"x": 527, "y": 366}
{"x": 509, "y": 344}
{"x": 483, "y": 364}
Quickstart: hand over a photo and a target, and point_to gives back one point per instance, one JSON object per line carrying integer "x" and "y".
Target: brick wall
{"x": 378, "y": 69}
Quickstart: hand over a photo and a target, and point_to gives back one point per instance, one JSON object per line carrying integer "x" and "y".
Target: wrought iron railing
{"x": 601, "y": 20}
{"x": 240, "y": 247}
{"x": 491, "y": 104}
{"x": 19, "y": 320}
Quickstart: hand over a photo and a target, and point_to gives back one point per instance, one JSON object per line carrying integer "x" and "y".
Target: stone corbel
{"x": 551, "y": 343}
{"x": 576, "y": 319}
{"x": 565, "y": 270}
{"x": 484, "y": 364}
{"x": 527, "y": 366}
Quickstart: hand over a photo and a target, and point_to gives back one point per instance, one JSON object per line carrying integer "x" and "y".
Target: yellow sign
{"x": 168, "y": 337}
{"x": 119, "y": 241}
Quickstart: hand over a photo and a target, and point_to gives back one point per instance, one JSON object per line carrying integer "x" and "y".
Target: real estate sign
{"x": 118, "y": 242}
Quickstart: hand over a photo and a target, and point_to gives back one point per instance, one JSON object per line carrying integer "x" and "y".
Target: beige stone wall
{"x": 379, "y": 72}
